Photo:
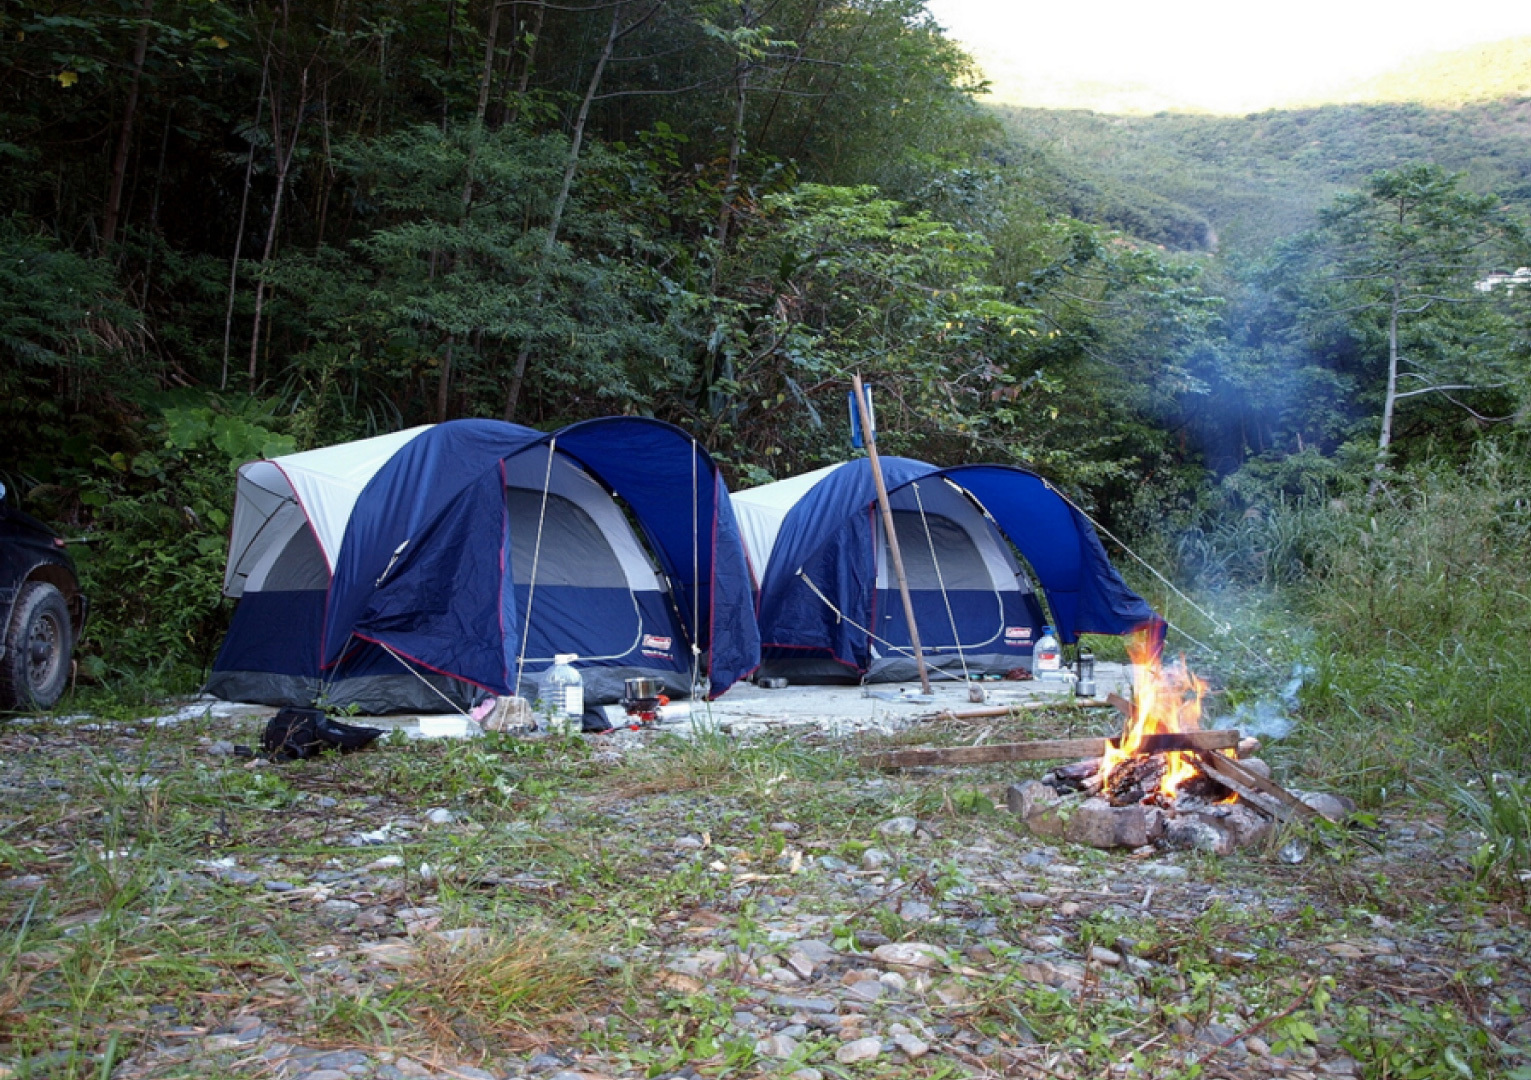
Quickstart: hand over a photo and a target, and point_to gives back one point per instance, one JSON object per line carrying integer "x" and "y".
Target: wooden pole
{"x": 1049, "y": 750}
{"x": 887, "y": 524}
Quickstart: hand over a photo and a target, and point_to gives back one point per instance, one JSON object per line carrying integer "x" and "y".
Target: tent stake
{"x": 887, "y": 524}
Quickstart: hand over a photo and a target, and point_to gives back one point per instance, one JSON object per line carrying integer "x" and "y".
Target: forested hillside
{"x": 236, "y": 229}
{"x": 1235, "y": 184}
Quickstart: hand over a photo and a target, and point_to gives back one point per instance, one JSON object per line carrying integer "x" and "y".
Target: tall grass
{"x": 1418, "y": 598}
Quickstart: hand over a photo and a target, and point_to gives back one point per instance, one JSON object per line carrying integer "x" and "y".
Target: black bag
{"x": 295, "y": 733}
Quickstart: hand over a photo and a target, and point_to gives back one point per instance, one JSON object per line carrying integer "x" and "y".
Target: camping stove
{"x": 641, "y": 699}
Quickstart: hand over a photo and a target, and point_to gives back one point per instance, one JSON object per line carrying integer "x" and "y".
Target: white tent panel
{"x": 323, "y": 484}
{"x": 761, "y": 510}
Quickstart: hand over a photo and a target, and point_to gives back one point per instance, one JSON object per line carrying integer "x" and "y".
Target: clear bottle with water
{"x": 1047, "y": 657}
{"x": 563, "y": 692}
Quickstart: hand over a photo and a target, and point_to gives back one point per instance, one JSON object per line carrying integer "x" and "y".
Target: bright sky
{"x": 1224, "y": 55}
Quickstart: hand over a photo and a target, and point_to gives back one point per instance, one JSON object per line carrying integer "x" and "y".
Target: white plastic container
{"x": 1047, "y": 657}
{"x": 563, "y": 693}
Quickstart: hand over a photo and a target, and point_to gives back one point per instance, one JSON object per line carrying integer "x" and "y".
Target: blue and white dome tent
{"x": 828, "y": 603}
{"x": 456, "y": 560}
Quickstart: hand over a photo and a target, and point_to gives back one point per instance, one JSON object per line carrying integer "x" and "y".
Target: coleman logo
{"x": 656, "y": 646}
{"x": 1017, "y": 633}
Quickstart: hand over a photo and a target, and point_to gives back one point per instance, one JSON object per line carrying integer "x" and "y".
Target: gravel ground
{"x": 745, "y": 909}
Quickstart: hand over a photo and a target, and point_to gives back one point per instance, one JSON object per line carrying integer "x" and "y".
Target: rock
{"x": 776, "y": 1046}
{"x": 1096, "y": 823}
{"x": 1068, "y": 976}
{"x": 1344, "y": 950}
{"x": 786, "y": 828}
{"x": 1164, "y": 871}
{"x": 914, "y": 910}
{"x": 1333, "y": 807}
{"x": 911, "y": 1045}
{"x": 802, "y": 963}
{"x": 953, "y": 994}
{"x": 1256, "y": 766}
{"x": 1194, "y": 833}
{"x": 867, "y": 1049}
{"x": 1032, "y": 899}
{"x": 440, "y": 816}
{"x": 912, "y": 955}
{"x": 789, "y": 1003}
{"x": 1257, "y": 1046}
{"x": 1104, "y": 956}
{"x": 873, "y": 859}
{"x": 894, "y": 981}
{"x": 899, "y": 826}
{"x": 1249, "y": 827}
{"x": 1038, "y": 806}
{"x": 867, "y": 990}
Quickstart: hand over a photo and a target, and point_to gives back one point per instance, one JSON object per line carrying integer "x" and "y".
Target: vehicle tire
{"x": 38, "y": 643}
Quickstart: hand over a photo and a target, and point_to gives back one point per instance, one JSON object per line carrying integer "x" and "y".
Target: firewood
{"x": 1268, "y": 795}
{"x": 1043, "y": 750}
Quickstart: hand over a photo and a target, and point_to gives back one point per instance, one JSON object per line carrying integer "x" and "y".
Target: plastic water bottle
{"x": 563, "y": 690}
{"x": 1047, "y": 657}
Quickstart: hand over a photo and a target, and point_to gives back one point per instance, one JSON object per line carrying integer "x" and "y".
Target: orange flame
{"x": 1166, "y": 700}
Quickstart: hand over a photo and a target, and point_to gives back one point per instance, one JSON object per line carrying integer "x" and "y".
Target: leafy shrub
{"x": 161, "y": 518}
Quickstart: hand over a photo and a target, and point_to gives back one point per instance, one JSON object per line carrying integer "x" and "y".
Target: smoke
{"x": 1269, "y": 718}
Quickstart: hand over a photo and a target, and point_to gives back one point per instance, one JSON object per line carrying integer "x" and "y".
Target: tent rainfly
{"x": 456, "y": 560}
{"x": 828, "y": 604}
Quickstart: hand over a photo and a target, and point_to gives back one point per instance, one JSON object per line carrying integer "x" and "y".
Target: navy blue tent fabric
{"x": 1086, "y": 593}
{"x": 424, "y": 565}
{"x": 829, "y": 538}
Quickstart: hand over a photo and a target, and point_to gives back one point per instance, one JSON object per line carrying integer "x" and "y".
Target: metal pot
{"x": 640, "y": 688}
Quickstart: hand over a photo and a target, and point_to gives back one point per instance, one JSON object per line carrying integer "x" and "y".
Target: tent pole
{"x": 887, "y": 524}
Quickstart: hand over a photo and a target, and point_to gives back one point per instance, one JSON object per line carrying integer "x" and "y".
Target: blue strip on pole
{"x": 857, "y": 439}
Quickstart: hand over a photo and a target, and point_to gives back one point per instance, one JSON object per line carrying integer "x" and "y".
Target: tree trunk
{"x": 283, "y": 165}
{"x": 550, "y": 243}
{"x": 125, "y": 132}
{"x": 444, "y": 382}
{"x": 239, "y": 235}
{"x": 1390, "y": 401}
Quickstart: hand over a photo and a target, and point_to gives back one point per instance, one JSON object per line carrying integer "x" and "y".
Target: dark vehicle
{"x": 42, "y": 611}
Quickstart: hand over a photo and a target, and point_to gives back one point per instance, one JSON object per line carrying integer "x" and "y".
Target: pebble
{"x": 899, "y": 826}
{"x": 911, "y": 1045}
{"x": 776, "y": 1046}
{"x": 874, "y": 859}
{"x": 440, "y": 816}
{"x": 866, "y": 1049}
{"x": 788, "y": 1003}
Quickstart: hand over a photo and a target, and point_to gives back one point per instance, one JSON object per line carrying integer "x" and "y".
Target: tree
{"x": 1402, "y": 260}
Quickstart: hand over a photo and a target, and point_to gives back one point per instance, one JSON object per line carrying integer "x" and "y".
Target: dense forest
{"x": 244, "y": 228}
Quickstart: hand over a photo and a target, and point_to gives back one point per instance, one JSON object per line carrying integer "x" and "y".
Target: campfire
{"x": 1165, "y": 780}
